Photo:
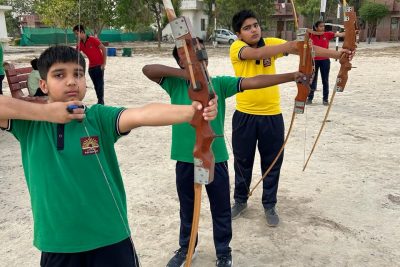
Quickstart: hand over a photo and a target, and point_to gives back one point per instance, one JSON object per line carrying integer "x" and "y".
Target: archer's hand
{"x": 349, "y": 53}
{"x": 299, "y": 77}
{"x": 210, "y": 112}
{"x": 57, "y": 112}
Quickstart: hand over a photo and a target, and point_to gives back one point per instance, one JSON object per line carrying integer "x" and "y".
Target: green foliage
{"x": 20, "y": 7}
{"x": 59, "y": 13}
{"x": 227, "y": 8}
{"x": 309, "y": 9}
{"x": 94, "y": 14}
{"x": 373, "y": 12}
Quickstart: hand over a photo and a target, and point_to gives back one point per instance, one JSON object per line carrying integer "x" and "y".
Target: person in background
{"x": 97, "y": 55}
{"x": 258, "y": 120}
{"x": 33, "y": 80}
{"x": 321, "y": 38}
{"x": 176, "y": 83}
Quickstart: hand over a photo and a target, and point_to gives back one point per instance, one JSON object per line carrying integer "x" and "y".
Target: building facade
{"x": 388, "y": 28}
{"x": 31, "y": 21}
{"x": 194, "y": 10}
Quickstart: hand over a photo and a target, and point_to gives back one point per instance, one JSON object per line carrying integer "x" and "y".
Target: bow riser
{"x": 306, "y": 67}
{"x": 194, "y": 58}
{"x": 350, "y": 24}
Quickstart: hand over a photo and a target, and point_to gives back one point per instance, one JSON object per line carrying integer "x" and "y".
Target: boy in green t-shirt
{"x": 77, "y": 197}
{"x": 176, "y": 84}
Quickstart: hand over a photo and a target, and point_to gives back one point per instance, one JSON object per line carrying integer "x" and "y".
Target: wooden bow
{"x": 350, "y": 38}
{"x": 306, "y": 66}
{"x": 194, "y": 57}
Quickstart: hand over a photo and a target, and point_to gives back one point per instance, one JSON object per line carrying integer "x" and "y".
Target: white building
{"x": 194, "y": 10}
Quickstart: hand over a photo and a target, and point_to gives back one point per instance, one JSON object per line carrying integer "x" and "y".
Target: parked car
{"x": 224, "y": 36}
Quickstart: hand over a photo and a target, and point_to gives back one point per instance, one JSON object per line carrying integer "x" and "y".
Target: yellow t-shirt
{"x": 265, "y": 101}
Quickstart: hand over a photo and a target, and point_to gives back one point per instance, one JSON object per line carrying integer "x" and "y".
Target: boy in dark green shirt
{"x": 174, "y": 82}
{"x": 71, "y": 168}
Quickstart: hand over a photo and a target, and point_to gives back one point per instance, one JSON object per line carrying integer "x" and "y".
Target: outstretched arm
{"x": 158, "y": 114}
{"x": 156, "y": 71}
{"x": 323, "y": 52}
{"x": 340, "y": 34}
{"x": 268, "y": 51}
{"x": 11, "y": 108}
{"x": 262, "y": 81}
{"x": 289, "y": 48}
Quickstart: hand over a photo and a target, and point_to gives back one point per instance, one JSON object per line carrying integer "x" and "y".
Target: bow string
{"x": 350, "y": 39}
{"x": 194, "y": 57}
{"x": 306, "y": 66}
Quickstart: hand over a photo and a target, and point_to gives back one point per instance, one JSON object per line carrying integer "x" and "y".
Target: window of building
{"x": 203, "y": 24}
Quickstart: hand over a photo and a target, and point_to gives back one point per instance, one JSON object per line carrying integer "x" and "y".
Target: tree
{"x": 372, "y": 13}
{"x": 132, "y": 15}
{"x": 20, "y": 7}
{"x": 156, "y": 8}
{"x": 57, "y": 13}
{"x": 226, "y": 9}
{"x": 96, "y": 14}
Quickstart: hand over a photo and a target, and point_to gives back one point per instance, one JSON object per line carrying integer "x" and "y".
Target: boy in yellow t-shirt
{"x": 258, "y": 120}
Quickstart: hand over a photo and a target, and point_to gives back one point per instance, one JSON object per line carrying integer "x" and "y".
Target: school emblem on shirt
{"x": 90, "y": 145}
{"x": 267, "y": 62}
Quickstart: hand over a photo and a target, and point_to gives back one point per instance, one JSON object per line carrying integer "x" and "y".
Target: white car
{"x": 224, "y": 36}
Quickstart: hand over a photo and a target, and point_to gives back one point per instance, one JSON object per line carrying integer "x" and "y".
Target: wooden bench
{"x": 17, "y": 79}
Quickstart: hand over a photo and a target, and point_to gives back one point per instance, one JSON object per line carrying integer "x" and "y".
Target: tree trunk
{"x": 159, "y": 33}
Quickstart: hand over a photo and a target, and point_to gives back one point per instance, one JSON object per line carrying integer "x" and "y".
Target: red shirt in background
{"x": 322, "y": 41}
{"x": 92, "y": 51}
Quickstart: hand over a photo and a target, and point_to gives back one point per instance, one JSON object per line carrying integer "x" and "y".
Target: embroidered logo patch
{"x": 90, "y": 145}
{"x": 267, "y": 62}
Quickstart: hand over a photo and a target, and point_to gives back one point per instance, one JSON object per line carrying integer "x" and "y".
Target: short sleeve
{"x": 236, "y": 49}
{"x": 226, "y": 85}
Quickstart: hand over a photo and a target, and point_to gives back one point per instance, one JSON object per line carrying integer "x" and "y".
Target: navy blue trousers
{"x": 97, "y": 76}
{"x": 267, "y": 134}
{"x": 121, "y": 254}
{"x": 324, "y": 66}
{"x": 218, "y": 195}
{"x": 1, "y": 84}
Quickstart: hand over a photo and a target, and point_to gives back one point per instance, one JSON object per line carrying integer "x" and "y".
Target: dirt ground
{"x": 344, "y": 210}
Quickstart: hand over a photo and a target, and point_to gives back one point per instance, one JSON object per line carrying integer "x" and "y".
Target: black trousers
{"x": 121, "y": 254}
{"x": 324, "y": 66}
{"x": 219, "y": 197}
{"x": 1, "y": 84}
{"x": 267, "y": 134}
{"x": 97, "y": 76}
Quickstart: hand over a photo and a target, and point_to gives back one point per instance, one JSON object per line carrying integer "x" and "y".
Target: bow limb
{"x": 350, "y": 25}
{"x": 306, "y": 66}
{"x": 193, "y": 56}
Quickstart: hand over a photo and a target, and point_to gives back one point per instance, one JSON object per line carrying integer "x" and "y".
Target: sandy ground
{"x": 344, "y": 210}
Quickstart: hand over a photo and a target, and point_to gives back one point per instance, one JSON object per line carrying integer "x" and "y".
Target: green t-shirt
{"x": 183, "y": 135}
{"x": 1, "y": 60}
{"x": 73, "y": 209}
